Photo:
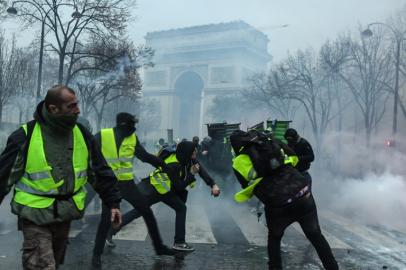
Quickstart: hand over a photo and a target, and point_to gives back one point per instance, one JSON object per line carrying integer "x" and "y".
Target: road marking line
{"x": 90, "y": 209}
{"x": 333, "y": 241}
{"x": 75, "y": 232}
{"x": 374, "y": 240}
{"x": 136, "y": 230}
{"x": 198, "y": 229}
{"x": 254, "y": 232}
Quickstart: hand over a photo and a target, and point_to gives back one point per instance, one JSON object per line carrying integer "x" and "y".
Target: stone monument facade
{"x": 193, "y": 65}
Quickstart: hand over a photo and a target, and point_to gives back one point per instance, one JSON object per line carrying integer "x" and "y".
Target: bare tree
{"x": 367, "y": 72}
{"x": 332, "y": 56}
{"x": 25, "y": 91}
{"x": 70, "y": 23}
{"x": 263, "y": 91}
{"x": 110, "y": 76}
{"x": 398, "y": 24}
{"x": 301, "y": 78}
{"x": 9, "y": 66}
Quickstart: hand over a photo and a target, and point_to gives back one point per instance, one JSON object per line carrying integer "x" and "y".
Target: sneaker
{"x": 96, "y": 261}
{"x": 109, "y": 240}
{"x": 164, "y": 250}
{"x": 182, "y": 247}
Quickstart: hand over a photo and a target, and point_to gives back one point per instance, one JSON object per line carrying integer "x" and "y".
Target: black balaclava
{"x": 184, "y": 152}
{"x": 291, "y": 136}
{"x": 238, "y": 139}
{"x": 125, "y": 123}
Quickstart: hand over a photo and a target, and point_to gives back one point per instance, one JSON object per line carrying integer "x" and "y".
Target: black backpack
{"x": 266, "y": 154}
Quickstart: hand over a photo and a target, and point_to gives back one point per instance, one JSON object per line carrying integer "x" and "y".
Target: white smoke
{"x": 365, "y": 183}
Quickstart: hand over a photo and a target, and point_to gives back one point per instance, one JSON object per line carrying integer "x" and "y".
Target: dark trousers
{"x": 308, "y": 177}
{"x": 44, "y": 246}
{"x": 132, "y": 195}
{"x": 176, "y": 201}
{"x": 304, "y": 212}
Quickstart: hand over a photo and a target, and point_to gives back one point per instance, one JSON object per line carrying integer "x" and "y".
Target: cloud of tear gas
{"x": 365, "y": 183}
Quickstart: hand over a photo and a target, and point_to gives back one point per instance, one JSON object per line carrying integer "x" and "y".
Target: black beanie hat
{"x": 290, "y": 132}
{"x": 238, "y": 139}
{"x": 125, "y": 118}
{"x": 184, "y": 151}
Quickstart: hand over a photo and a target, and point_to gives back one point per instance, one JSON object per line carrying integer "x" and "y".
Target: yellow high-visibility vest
{"x": 243, "y": 164}
{"x": 37, "y": 182}
{"x": 121, "y": 162}
{"x": 160, "y": 180}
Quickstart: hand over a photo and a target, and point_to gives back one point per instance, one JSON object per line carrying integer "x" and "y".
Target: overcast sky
{"x": 311, "y": 22}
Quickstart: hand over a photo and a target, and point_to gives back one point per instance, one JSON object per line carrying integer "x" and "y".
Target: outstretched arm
{"x": 144, "y": 156}
{"x": 215, "y": 189}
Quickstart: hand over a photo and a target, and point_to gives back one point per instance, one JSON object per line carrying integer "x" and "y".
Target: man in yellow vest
{"x": 282, "y": 189}
{"x": 119, "y": 147}
{"x": 48, "y": 194}
{"x": 171, "y": 188}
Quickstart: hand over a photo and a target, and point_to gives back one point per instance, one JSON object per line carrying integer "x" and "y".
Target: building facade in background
{"x": 195, "y": 64}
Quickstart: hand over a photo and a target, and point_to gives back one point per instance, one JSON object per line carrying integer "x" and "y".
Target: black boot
{"x": 96, "y": 261}
{"x": 164, "y": 250}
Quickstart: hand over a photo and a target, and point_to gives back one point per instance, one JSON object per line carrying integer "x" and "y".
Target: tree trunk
{"x": 61, "y": 65}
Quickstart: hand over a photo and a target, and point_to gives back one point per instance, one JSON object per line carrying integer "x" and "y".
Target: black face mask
{"x": 127, "y": 130}
{"x": 68, "y": 120}
{"x": 60, "y": 122}
{"x": 293, "y": 140}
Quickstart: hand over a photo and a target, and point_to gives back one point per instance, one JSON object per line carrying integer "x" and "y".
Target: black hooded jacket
{"x": 304, "y": 152}
{"x": 105, "y": 180}
{"x": 179, "y": 173}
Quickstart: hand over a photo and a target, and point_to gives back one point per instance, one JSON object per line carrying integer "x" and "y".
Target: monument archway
{"x": 188, "y": 90}
{"x": 194, "y": 65}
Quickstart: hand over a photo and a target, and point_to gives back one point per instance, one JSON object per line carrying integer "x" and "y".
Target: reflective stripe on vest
{"x": 160, "y": 180}
{"x": 243, "y": 164}
{"x": 121, "y": 162}
{"x": 37, "y": 179}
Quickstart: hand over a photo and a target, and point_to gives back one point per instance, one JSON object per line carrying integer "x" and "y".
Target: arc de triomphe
{"x": 194, "y": 64}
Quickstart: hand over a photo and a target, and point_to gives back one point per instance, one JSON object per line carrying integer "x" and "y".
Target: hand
{"x": 115, "y": 218}
{"x": 215, "y": 190}
{"x": 205, "y": 152}
{"x": 194, "y": 169}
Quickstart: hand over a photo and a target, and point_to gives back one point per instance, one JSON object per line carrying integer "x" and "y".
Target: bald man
{"x": 48, "y": 193}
